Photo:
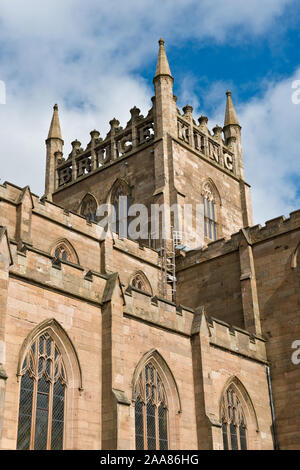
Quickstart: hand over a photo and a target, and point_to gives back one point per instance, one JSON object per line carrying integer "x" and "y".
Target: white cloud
{"x": 271, "y": 129}
{"x": 86, "y": 56}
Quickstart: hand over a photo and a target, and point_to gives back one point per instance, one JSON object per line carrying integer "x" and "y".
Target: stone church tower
{"x": 177, "y": 342}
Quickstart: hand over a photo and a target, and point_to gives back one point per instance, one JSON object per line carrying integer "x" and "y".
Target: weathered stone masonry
{"x": 236, "y": 307}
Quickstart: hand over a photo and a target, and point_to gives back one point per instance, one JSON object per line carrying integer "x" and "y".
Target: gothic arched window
{"x": 234, "y": 427}
{"x": 42, "y": 397}
{"x": 89, "y": 208}
{"x": 63, "y": 250}
{"x": 140, "y": 281}
{"x": 61, "y": 253}
{"x": 209, "y": 212}
{"x": 121, "y": 201}
{"x": 151, "y": 411}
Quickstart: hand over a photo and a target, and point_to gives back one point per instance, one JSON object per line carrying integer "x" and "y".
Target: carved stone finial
{"x": 217, "y": 130}
{"x": 114, "y": 123}
{"x": 203, "y": 120}
{"x": 162, "y": 67}
{"x": 76, "y": 144}
{"x": 55, "y": 131}
{"x": 135, "y": 112}
{"x": 188, "y": 109}
{"x": 95, "y": 134}
{"x": 230, "y": 114}
{"x": 76, "y": 147}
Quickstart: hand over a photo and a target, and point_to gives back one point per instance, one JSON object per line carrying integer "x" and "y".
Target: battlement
{"x": 136, "y": 249}
{"x": 213, "y": 147}
{"x": 158, "y": 311}
{"x": 99, "y": 152}
{"x": 185, "y": 321}
{"x": 256, "y": 234}
{"x": 236, "y": 340}
{"x": 12, "y": 194}
{"x": 39, "y": 268}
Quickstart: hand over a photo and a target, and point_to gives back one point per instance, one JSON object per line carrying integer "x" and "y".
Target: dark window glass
{"x": 25, "y": 412}
{"x": 42, "y": 377}
{"x": 41, "y": 423}
{"x": 139, "y": 425}
{"x": 233, "y": 436}
{"x": 151, "y": 431}
{"x": 58, "y": 416}
{"x": 163, "y": 432}
{"x": 243, "y": 438}
{"x": 225, "y": 437}
{"x": 150, "y": 404}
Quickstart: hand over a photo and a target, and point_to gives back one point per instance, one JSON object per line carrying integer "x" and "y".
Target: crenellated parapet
{"x": 100, "y": 152}
{"x": 187, "y": 322}
{"x": 211, "y": 146}
{"x": 234, "y": 339}
{"x": 257, "y": 233}
{"x": 12, "y": 196}
{"x": 65, "y": 278}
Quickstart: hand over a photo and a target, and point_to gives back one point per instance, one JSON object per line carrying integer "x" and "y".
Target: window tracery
{"x": 209, "y": 211}
{"x": 234, "y": 427}
{"x": 151, "y": 411}
{"x": 42, "y": 397}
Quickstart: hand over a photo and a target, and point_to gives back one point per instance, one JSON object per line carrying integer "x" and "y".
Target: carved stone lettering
{"x": 228, "y": 161}
{"x": 84, "y": 166}
{"x": 65, "y": 175}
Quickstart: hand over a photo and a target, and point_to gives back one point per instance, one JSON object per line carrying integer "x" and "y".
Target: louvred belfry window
{"x": 42, "y": 397}
{"x": 233, "y": 422}
{"x": 89, "y": 208}
{"x": 151, "y": 411}
{"x": 209, "y": 210}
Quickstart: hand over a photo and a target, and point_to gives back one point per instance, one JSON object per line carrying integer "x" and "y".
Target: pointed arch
{"x": 64, "y": 250}
{"x": 65, "y": 344}
{"x": 119, "y": 187}
{"x": 157, "y": 404}
{"x": 294, "y": 260}
{"x": 119, "y": 197}
{"x": 165, "y": 373}
{"x": 49, "y": 373}
{"x": 140, "y": 281}
{"x": 208, "y": 186}
{"x": 88, "y": 207}
{"x": 237, "y": 415}
{"x": 211, "y": 201}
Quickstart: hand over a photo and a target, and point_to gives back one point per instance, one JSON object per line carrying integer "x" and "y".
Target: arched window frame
{"x": 88, "y": 208}
{"x": 211, "y": 203}
{"x": 246, "y": 417}
{"x": 171, "y": 392}
{"x": 140, "y": 281}
{"x": 62, "y": 249}
{"x": 120, "y": 188}
{"x": 73, "y": 371}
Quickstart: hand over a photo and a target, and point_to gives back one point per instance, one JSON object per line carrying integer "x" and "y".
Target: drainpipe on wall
{"x": 276, "y": 445}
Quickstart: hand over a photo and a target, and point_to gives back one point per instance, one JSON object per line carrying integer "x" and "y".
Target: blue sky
{"x": 97, "y": 60}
